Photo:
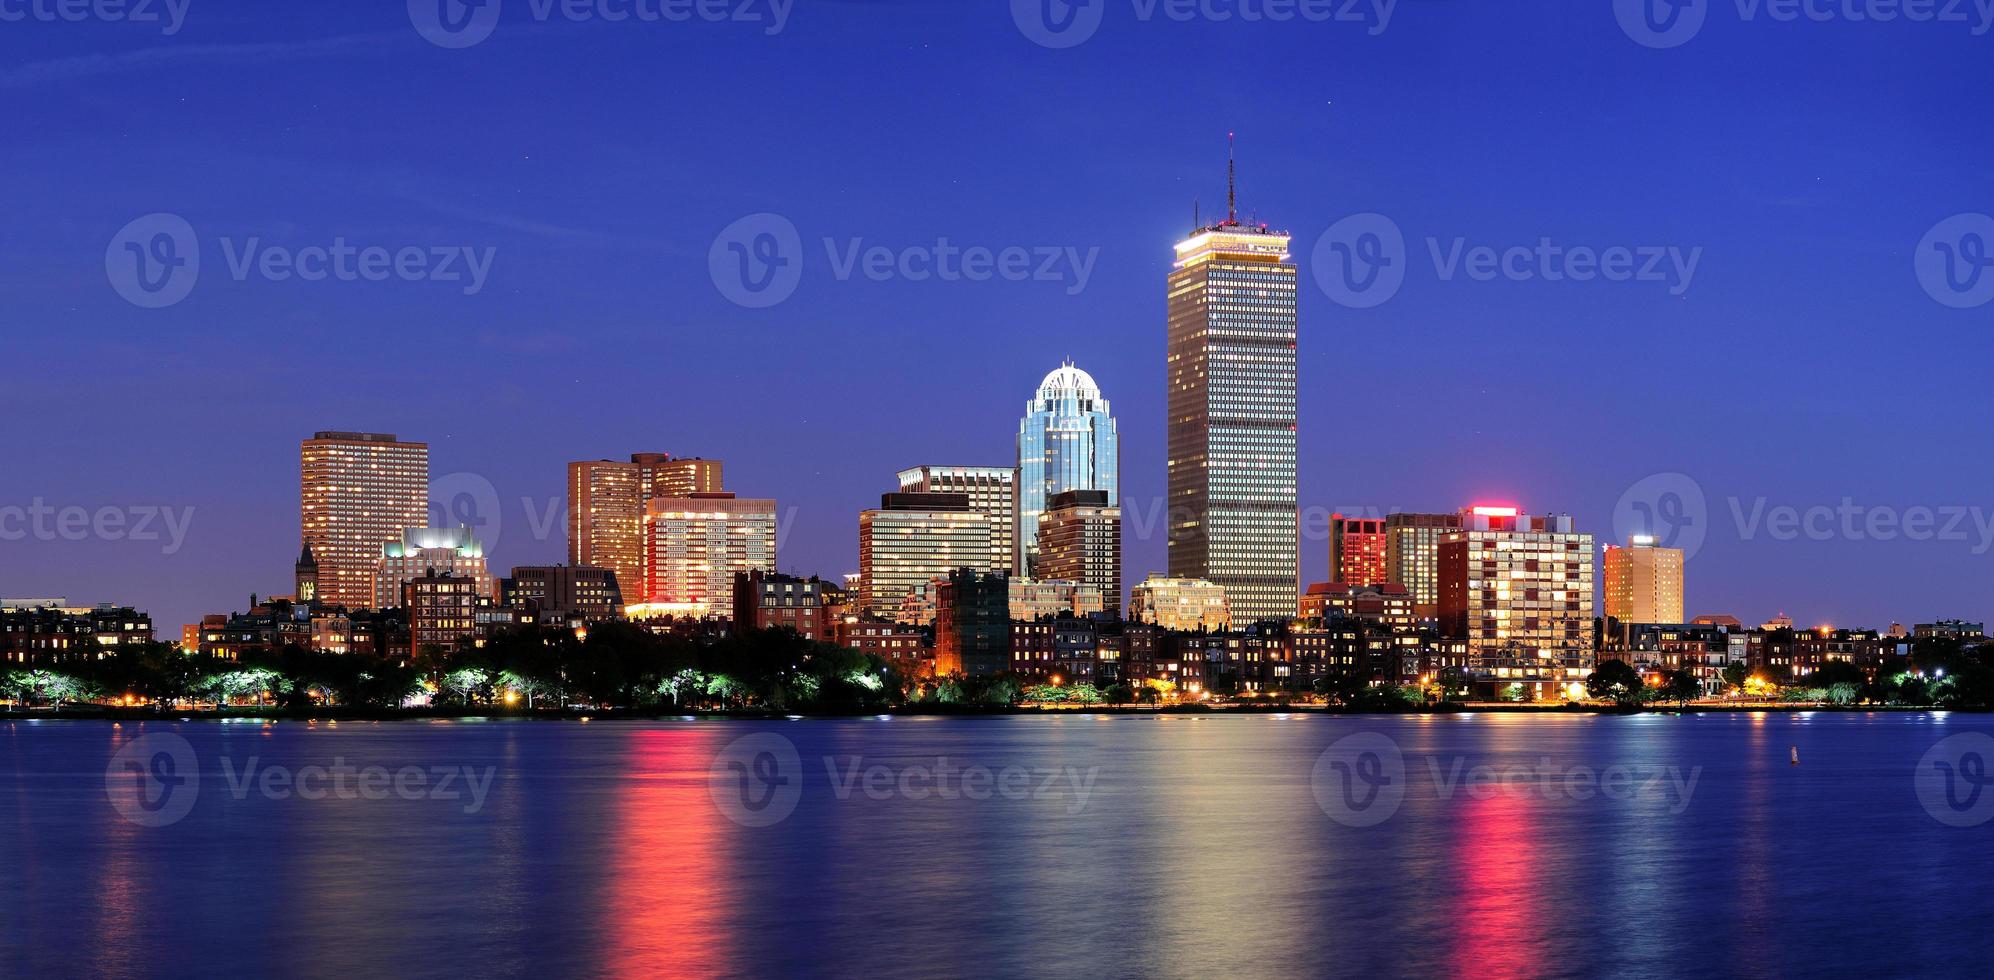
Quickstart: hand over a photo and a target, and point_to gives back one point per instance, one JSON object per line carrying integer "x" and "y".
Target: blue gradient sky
{"x": 1804, "y": 365}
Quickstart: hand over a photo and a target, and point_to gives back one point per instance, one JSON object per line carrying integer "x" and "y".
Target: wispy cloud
{"x": 186, "y": 55}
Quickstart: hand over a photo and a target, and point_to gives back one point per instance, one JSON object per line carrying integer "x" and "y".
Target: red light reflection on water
{"x": 1500, "y": 909}
{"x": 669, "y": 891}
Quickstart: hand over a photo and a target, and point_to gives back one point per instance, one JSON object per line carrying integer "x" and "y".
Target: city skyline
{"x": 1807, "y": 274}
{"x": 1011, "y": 440}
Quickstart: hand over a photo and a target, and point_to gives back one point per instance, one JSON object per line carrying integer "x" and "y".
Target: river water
{"x": 1072, "y": 845}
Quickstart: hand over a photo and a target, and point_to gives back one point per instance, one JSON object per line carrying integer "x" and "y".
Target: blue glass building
{"x": 1065, "y": 442}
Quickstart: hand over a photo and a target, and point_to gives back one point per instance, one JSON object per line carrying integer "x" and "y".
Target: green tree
{"x": 1682, "y": 687}
{"x": 1616, "y": 681}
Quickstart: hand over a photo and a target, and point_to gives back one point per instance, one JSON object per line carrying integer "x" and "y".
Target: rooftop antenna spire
{"x": 1231, "y": 183}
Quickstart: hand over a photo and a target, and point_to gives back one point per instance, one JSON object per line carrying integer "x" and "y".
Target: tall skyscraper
{"x": 1643, "y": 582}
{"x": 1516, "y": 591}
{"x": 912, "y": 539}
{"x": 1412, "y": 554}
{"x": 357, "y": 492}
{"x": 606, "y": 503}
{"x": 992, "y": 492}
{"x": 606, "y": 521}
{"x": 1066, "y": 441}
{"x": 696, "y": 544}
{"x": 1231, "y": 416}
{"x": 1080, "y": 540}
{"x": 1357, "y": 550}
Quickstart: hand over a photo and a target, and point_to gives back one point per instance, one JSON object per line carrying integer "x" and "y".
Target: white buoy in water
{"x": 1795, "y": 749}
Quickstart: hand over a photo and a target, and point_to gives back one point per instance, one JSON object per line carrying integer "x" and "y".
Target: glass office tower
{"x": 1065, "y": 442}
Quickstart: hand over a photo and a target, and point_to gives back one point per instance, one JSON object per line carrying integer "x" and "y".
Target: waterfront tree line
{"x": 619, "y": 666}
{"x": 611, "y": 666}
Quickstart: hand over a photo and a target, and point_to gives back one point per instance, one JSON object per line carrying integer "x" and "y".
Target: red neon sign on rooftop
{"x": 1495, "y": 510}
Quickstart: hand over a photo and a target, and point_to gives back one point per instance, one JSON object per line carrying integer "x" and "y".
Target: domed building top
{"x": 1068, "y": 382}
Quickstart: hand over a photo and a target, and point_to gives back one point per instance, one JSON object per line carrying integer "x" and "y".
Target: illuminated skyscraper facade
{"x": 1357, "y": 550}
{"x": 1080, "y": 540}
{"x": 912, "y": 539}
{"x": 1066, "y": 441}
{"x": 1412, "y": 550}
{"x": 992, "y": 492}
{"x": 357, "y": 492}
{"x": 663, "y": 475}
{"x": 696, "y": 544}
{"x": 606, "y": 506}
{"x": 606, "y": 521}
{"x": 1643, "y": 582}
{"x": 1516, "y": 591}
{"x": 1231, "y": 417}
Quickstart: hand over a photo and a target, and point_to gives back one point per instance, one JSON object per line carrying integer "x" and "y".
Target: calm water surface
{"x": 1119, "y": 846}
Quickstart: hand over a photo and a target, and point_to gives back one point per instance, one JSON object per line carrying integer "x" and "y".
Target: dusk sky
{"x": 1802, "y": 364}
